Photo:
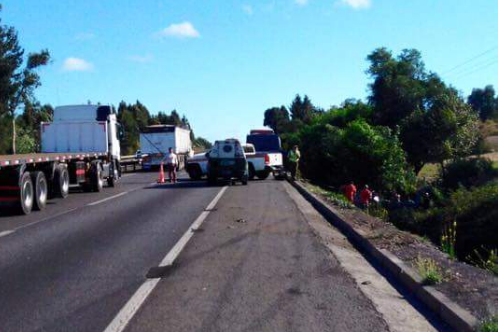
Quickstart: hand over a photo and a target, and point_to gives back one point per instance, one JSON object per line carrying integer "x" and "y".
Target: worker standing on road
{"x": 171, "y": 161}
{"x": 350, "y": 191}
{"x": 365, "y": 197}
{"x": 293, "y": 157}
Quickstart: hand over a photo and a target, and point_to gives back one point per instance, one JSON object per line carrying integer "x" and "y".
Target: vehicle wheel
{"x": 194, "y": 172}
{"x": 111, "y": 180}
{"x": 263, "y": 175}
{"x": 252, "y": 172}
{"x": 40, "y": 190}
{"x": 244, "y": 180}
{"x": 60, "y": 183}
{"x": 26, "y": 194}
{"x": 211, "y": 180}
{"x": 97, "y": 182}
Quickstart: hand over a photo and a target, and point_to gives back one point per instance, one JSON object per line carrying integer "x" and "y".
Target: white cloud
{"x": 356, "y": 4}
{"x": 301, "y": 2}
{"x": 141, "y": 58}
{"x": 180, "y": 30}
{"x": 248, "y": 9}
{"x": 76, "y": 64}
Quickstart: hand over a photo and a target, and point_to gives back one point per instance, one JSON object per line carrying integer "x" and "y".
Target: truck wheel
{"x": 263, "y": 175}
{"x": 97, "y": 182}
{"x": 111, "y": 180}
{"x": 252, "y": 172}
{"x": 40, "y": 190}
{"x": 26, "y": 194}
{"x": 61, "y": 182}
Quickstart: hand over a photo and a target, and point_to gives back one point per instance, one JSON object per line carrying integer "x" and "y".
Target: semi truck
{"x": 156, "y": 140}
{"x": 80, "y": 147}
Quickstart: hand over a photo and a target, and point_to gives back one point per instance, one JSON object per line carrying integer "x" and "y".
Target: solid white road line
{"x": 125, "y": 315}
{"x": 107, "y": 199}
{"x": 5, "y": 233}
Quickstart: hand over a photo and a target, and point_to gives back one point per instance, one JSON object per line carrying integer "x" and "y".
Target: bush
{"x": 490, "y": 325}
{"x": 468, "y": 173}
{"x": 360, "y": 152}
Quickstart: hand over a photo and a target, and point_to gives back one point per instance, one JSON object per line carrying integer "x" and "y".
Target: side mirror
{"x": 207, "y": 154}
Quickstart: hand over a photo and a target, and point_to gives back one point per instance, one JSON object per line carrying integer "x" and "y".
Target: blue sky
{"x": 223, "y": 62}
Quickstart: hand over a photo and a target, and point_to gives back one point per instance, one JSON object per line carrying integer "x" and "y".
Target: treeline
{"x": 20, "y": 133}
{"x": 135, "y": 117}
{"x": 411, "y": 118}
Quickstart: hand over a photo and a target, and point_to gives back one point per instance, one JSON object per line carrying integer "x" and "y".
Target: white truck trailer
{"x": 81, "y": 146}
{"x": 156, "y": 140}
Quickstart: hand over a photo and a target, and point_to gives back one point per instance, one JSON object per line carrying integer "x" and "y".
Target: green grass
{"x": 429, "y": 171}
{"x": 429, "y": 271}
{"x": 490, "y": 325}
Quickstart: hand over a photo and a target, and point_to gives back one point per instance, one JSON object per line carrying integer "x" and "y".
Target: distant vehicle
{"x": 156, "y": 140}
{"x": 81, "y": 146}
{"x": 268, "y": 146}
{"x": 227, "y": 161}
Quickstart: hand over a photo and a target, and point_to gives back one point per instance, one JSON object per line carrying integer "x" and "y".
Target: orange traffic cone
{"x": 162, "y": 178}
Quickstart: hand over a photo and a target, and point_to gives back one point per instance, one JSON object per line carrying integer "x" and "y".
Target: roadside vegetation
{"x": 415, "y": 138}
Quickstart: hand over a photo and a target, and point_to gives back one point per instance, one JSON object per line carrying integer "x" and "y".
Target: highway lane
{"x": 256, "y": 266}
{"x": 74, "y": 271}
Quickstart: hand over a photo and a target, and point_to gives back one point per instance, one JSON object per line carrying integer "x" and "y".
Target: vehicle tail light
{"x": 267, "y": 159}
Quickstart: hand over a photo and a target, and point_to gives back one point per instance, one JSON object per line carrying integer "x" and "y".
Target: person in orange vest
{"x": 365, "y": 197}
{"x": 350, "y": 191}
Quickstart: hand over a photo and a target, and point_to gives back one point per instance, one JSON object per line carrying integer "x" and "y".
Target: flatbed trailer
{"x": 80, "y": 147}
{"x": 28, "y": 180}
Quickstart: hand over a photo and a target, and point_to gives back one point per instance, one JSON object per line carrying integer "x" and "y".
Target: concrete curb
{"x": 451, "y": 313}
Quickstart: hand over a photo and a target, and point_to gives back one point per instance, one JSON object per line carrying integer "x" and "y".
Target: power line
{"x": 470, "y": 60}
{"x": 479, "y": 68}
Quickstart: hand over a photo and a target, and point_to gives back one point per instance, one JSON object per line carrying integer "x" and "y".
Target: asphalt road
{"x": 253, "y": 265}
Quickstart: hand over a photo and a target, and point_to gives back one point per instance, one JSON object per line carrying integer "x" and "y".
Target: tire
{"x": 111, "y": 180}
{"x": 252, "y": 172}
{"x": 26, "y": 194}
{"x": 40, "y": 190}
{"x": 96, "y": 180}
{"x": 194, "y": 172}
{"x": 211, "y": 180}
{"x": 263, "y": 175}
{"x": 244, "y": 180}
{"x": 60, "y": 183}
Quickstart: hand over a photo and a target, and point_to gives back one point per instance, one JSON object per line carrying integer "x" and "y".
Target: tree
{"x": 30, "y": 121}
{"x": 277, "y": 118}
{"x": 302, "y": 109}
{"x": 448, "y": 129}
{"x": 399, "y": 87}
{"x": 17, "y": 83}
{"x": 484, "y": 102}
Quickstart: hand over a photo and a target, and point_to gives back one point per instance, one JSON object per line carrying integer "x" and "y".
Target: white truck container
{"x": 81, "y": 146}
{"x": 156, "y": 140}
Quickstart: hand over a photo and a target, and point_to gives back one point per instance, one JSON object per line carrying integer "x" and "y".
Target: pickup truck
{"x": 260, "y": 164}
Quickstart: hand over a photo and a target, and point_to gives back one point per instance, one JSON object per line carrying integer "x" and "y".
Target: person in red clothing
{"x": 350, "y": 191}
{"x": 365, "y": 197}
